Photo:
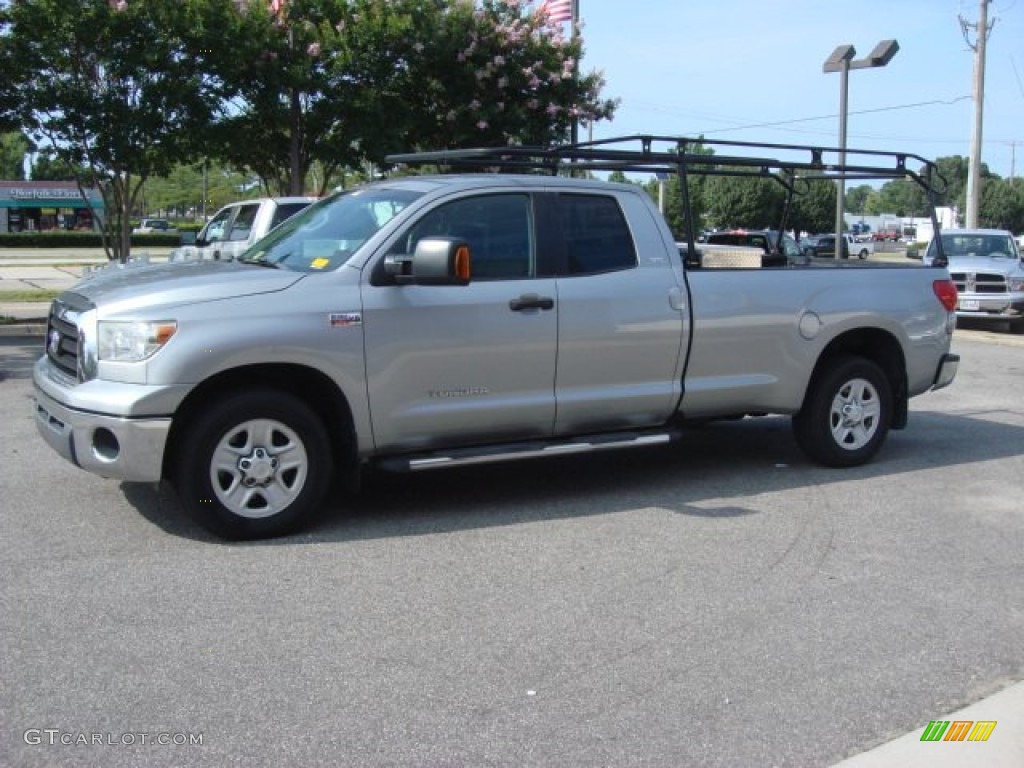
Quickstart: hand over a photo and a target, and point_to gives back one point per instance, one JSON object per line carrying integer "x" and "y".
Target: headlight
{"x": 1016, "y": 284}
{"x": 131, "y": 342}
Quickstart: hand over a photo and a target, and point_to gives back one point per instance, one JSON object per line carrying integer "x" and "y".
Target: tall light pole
{"x": 842, "y": 61}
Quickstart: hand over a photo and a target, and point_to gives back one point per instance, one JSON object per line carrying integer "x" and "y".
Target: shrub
{"x": 66, "y": 239}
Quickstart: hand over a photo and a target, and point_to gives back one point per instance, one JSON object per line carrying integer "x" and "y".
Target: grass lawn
{"x": 30, "y": 294}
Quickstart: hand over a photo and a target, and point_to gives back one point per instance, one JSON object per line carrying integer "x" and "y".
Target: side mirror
{"x": 436, "y": 261}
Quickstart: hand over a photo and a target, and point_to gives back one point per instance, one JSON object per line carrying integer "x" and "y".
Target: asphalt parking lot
{"x": 720, "y": 602}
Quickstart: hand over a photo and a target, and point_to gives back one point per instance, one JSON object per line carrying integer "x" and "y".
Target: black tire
{"x": 863, "y": 254}
{"x": 275, "y": 462}
{"x": 846, "y": 413}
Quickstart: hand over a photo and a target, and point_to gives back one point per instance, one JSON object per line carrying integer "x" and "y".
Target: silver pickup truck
{"x": 987, "y": 267}
{"x": 432, "y": 321}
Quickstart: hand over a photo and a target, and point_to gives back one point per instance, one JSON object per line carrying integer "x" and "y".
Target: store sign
{"x": 39, "y": 193}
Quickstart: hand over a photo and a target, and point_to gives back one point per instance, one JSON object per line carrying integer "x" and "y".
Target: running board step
{"x": 462, "y": 457}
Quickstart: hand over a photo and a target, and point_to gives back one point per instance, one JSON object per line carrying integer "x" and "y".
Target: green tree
{"x": 740, "y": 201}
{"x": 814, "y": 207}
{"x": 857, "y": 198}
{"x": 501, "y": 74}
{"x": 339, "y": 83}
{"x": 46, "y": 167}
{"x": 675, "y": 213}
{"x": 116, "y": 88}
{"x": 1002, "y": 204}
{"x": 13, "y": 149}
{"x": 901, "y": 197}
{"x": 180, "y": 193}
{"x": 953, "y": 170}
{"x": 697, "y": 183}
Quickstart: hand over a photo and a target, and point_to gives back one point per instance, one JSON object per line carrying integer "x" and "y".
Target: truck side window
{"x": 286, "y": 211}
{"x": 242, "y": 225}
{"x": 597, "y": 238}
{"x": 498, "y": 228}
{"x": 215, "y": 228}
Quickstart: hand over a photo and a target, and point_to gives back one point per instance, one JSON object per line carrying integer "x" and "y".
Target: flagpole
{"x": 574, "y": 131}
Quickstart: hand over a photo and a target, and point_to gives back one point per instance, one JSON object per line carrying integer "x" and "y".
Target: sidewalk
{"x": 1003, "y": 749}
{"x": 50, "y": 269}
{"x": 30, "y": 316}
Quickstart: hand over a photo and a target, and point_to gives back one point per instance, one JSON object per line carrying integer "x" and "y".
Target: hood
{"x": 124, "y": 288}
{"x": 1004, "y": 266}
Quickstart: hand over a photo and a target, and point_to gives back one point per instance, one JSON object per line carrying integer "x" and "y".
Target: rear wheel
{"x": 863, "y": 254}
{"x": 254, "y": 466}
{"x": 846, "y": 415}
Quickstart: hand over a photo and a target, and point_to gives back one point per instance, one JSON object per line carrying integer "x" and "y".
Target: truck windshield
{"x": 325, "y": 235}
{"x": 993, "y": 246}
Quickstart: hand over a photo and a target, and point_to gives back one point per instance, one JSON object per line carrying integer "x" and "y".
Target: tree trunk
{"x": 296, "y": 176}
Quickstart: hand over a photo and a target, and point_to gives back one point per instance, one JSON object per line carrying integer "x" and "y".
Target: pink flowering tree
{"x": 317, "y": 84}
{"x": 341, "y": 83}
{"x": 502, "y": 73}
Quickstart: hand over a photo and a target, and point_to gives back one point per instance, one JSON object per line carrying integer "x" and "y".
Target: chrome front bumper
{"x": 109, "y": 446}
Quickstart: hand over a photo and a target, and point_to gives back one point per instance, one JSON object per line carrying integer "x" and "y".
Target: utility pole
{"x": 982, "y": 30}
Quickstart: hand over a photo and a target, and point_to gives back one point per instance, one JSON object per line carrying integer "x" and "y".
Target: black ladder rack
{"x": 791, "y": 165}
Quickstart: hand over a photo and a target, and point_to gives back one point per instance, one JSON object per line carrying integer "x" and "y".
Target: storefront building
{"x": 31, "y": 206}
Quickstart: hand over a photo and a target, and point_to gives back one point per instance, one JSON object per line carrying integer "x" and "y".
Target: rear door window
{"x": 286, "y": 211}
{"x": 597, "y": 238}
{"x": 241, "y": 227}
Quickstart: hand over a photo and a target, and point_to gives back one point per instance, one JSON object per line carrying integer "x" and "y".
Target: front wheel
{"x": 863, "y": 254}
{"x": 846, "y": 414}
{"x": 254, "y": 465}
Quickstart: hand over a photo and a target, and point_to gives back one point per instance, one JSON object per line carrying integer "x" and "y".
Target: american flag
{"x": 557, "y": 11}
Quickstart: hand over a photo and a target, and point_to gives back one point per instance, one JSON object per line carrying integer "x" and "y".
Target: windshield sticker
{"x": 320, "y": 263}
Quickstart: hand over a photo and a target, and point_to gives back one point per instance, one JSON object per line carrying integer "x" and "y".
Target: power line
{"x": 832, "y": 117}
{"x": 673, "y": 111}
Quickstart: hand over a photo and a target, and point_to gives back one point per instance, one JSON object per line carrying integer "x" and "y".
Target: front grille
{"x": 979, "y": 282}
{"x": 62, "y": 332}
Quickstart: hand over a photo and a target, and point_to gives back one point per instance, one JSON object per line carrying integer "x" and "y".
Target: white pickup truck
{"x": 434, "y": 321}
{"x": 237, "y": 226}
{"x": 824, "y": 247}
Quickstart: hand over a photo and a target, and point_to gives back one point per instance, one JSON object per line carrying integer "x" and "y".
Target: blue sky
{"x": 714, "y": 67}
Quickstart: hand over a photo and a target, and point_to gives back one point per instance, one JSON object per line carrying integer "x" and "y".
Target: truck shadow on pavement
{"x": 708, "y": 474}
